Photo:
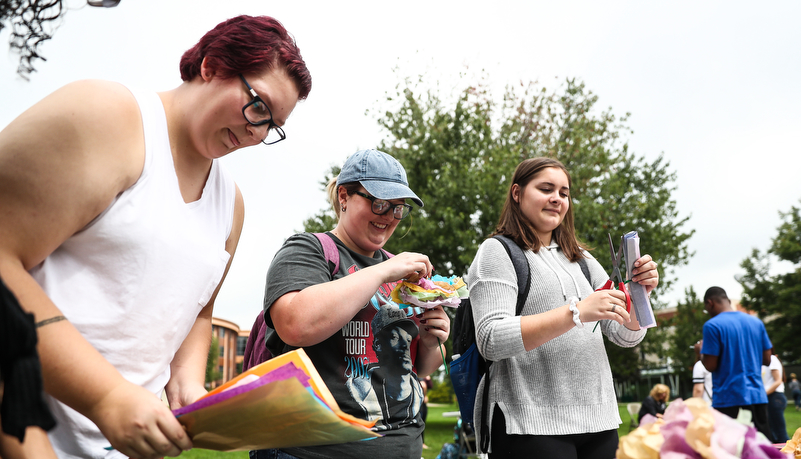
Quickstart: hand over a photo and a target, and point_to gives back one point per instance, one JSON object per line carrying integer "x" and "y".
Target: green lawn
{"x": 439, "y": 430}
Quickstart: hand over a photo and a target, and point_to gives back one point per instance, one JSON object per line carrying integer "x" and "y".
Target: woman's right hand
{"x": 410, "y": 266}
{"x": 139, "y": 424}
{"x": 604, "y": 305}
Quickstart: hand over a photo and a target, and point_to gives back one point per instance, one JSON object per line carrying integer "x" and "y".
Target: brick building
{"x": 231, "y": 341}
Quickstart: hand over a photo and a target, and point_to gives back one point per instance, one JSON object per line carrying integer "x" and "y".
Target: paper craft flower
{"x": 793, "y": 445}
{"x": 692, "y": 430}
{"x": 428, "y": 293}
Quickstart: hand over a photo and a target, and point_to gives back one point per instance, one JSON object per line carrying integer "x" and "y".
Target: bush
{"x": 442, "y": 392}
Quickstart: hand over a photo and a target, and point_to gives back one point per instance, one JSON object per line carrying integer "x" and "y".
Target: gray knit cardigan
{"x": 563, "y": 386}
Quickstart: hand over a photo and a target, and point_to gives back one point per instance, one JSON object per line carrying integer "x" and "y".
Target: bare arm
{"x": 313, "y": 314}
{"x": 434, "y": 331}
{"x": 698, "y": 390}
{"x": 188, "y": 368}
{"x": 711, "y": 362}
{"x": 52, "y": 186}
{"x": 35, "y": 446}
{"x": 777, "y": 381}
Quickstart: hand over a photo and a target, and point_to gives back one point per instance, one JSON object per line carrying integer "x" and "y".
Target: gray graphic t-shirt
{"x": 369, "y": 364}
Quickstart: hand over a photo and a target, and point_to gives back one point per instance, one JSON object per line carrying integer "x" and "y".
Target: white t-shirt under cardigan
{"x": 563, "y": 386}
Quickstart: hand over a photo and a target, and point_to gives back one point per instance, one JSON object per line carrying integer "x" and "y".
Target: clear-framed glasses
{"x": 381, "y": 206}
{"x": 257, "y": 113}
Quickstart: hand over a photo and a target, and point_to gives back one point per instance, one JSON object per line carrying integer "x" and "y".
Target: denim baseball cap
{"x": 379, "y": 173}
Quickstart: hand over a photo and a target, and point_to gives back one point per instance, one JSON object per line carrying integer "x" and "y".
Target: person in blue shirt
{"x": 735, "y": 347}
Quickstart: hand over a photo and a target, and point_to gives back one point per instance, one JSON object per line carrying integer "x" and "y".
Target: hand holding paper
{"x": 639, "y": 295}
{"x": 280, "y": 403}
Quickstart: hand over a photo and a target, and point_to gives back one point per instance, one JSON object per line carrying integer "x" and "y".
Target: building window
{"x": 241, "y": 342}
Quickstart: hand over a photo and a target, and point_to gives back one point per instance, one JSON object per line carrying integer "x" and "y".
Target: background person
{"x": 335, "y": 317}
{"x": 119, "y": 225}
{"x": 551, "y": 390}
{"x": 735, "y": 347}
{"x": 655, "y": 403}
{"x": 773, "y": 379}
{"x": 24, "y": 415}
{"x": 795, "y": 390}
{"x": 702, "y": 378}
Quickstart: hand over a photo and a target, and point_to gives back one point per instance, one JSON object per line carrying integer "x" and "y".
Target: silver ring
{"x": 613, "y": 308}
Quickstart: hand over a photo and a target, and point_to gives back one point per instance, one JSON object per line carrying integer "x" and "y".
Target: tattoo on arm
{"x": 50, "y": 321}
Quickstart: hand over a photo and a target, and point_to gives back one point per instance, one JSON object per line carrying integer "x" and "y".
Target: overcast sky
{"x": 713, "y": 85}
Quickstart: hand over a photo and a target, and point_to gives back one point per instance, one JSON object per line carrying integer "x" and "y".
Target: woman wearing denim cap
{"x": 369, "y": 352}
{"x": 118, "y": 226}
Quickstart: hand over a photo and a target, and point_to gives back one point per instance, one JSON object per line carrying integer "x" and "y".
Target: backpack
{"x": 263, "y": 342}
{"x": 468, "y": 365}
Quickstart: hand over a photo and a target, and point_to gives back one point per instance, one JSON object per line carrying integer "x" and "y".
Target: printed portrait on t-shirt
{"x": 386, "y": 388}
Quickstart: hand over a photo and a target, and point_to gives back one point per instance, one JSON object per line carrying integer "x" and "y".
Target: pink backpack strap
{"x": 255, "y": 350}
{"x": 330, "y": 250}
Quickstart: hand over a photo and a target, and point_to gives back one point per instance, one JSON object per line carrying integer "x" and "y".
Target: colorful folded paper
{"x": 280, "y": 403}
{"x": 429, "y": 293}
{"x": 691, "y": 429}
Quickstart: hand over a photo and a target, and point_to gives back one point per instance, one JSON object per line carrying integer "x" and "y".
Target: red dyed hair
{"x": 248, "y": 44}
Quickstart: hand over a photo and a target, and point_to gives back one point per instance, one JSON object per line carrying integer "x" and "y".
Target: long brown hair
{"x": 516, "y": 226}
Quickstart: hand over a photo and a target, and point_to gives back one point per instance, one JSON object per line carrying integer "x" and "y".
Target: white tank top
{"x": 134, "y": 280}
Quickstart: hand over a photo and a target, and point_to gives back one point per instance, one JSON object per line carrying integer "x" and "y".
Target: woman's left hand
{"x": 435, "y": 327}
{"x": 645, "y": 273}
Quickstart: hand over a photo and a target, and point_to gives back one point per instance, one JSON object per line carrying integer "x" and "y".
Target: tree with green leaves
{"x": 460, "y": 155}
{"x": 777, "y": 298}
{"x": 683, "y": 330}
{"x": 212, "y": 363}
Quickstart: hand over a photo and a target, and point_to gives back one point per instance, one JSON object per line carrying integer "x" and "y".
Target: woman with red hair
{"x": 117, "y": 228}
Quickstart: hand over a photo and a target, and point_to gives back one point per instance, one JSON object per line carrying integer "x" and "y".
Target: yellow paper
{"x": 302, "y": 361}
{"x": 794, "y": 444}
{"x": 279, "y": 414}
{"x": 699, "y": 430}
{"x": 643, "y": 443}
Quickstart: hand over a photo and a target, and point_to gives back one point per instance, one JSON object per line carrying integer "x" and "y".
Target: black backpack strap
{"x": 586, "y": 270}
{"x": 523, "y": 272}
{"x": 522, "y": 269}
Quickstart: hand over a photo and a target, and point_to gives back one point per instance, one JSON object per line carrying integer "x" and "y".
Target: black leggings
{"x": 598, "y": 445}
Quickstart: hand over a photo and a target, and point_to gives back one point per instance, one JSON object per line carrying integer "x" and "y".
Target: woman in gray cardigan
{"x": 551, "y": 392}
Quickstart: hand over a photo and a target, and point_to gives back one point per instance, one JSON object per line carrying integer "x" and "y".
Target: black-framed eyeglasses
{"x": 257, "y": 113}
{"x": 381, "y": 206}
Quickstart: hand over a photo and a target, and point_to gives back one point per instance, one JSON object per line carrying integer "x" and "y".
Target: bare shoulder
{"x": 67, "y": 157}
{"x": 100, "y": 111}
{"x": 89, "y": 120}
